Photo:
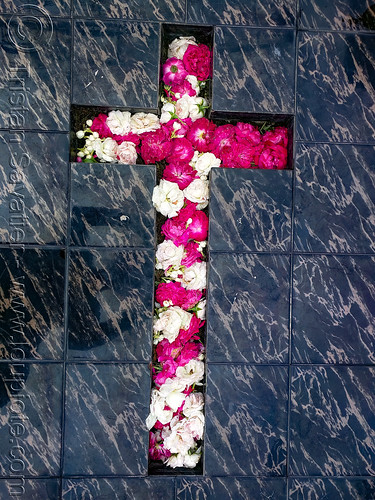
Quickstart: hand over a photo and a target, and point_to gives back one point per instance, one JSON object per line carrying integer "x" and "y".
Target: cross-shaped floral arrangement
{"x": 187, "y": 146}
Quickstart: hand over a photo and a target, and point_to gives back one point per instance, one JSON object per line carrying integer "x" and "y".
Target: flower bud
{"x": 80, "y": 134}
{"x": 89, "y": 123}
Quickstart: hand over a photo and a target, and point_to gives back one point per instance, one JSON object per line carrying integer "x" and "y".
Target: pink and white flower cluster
{"x": 189, "y": 145}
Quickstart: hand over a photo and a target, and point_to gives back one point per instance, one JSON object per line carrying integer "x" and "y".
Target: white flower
{"x": 192, "y": 460}
{"x": 80, "y": 134}
{"x": 197, "y": 192}
{"x": 180, "y": 439}
{"x": 171, "y": 321}
{"x": 183, "y": 106}
{"x": 144, "y": 122}
{"x": 193, "y": 403}
{"x": 89, "y": 123}
{"x": 205, "y": 162}
{"x": 194, "y": 277}
{"x": 126, "y": 153}
{"x": 168, "y": 198}
{"x": 194, "y": 111}
{"x": 166, "y": 111}
{"x": 194, "y": 160}
{"x": 119, "y": 122}
{"x": 191, "y": 373}
{"x": 195, "y": 425}
{"x": 178, "y": 47}
{"x": 193, "y": 80}
{"x": 201, "y": 314}
{"x": 171, "y": 390}
{"x": 105, "y": 150}
{"x": 167, "y": 254}
{"x": 157, "y": 411}
{"x": 176, "y": 460}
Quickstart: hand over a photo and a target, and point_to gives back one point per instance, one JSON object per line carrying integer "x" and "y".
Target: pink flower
{"x": 197, "y": 61}
{"x": 223, "y": 139}
{"x": 99, "y": 124}
{"x": 192, "y": 297}
{"x": 181, "y": 150}
{"x": 180, "y": 173}
{"x": 194, "y": 326}
{"x": 191, "y": 254}
{"x": 247, "y": 133}
{"x": 273, "y": 157}
{"x": 174, "y": 71}
{"x": 277, "y": 136}
{"x": 201, "y": 133}
{"x": 169, "y": 368}
{"x": 175, "y": 230}
{"x": 179, "y": 128}
{"x": 170, "y": 291}
{"x": 156, "y": 448}
{"x": 198, "y": 228}
{"x": 155, "y": 146}
{"x": 190, "y": 350}
{"x": 182, "y": 89}
{"x": 135, "y": 139}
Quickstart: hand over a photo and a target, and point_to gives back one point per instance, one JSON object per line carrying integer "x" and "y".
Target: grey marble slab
{"x": 32, "y": 489}
{"x": 31, "y": 304}
{"x": 116, "y": 63}
{"x": 335, "y": 87}
{"x": 38, "y": 8}
{"x": 30, "y": 416}
{"x": 334, "y": 198}
{"x": 250, "y": 210}
{"x": 35, "y": 76}
{"x": 248, "y": 308}
{"x": 112, "y": 205}
{"x": 33, "y": 187}
{"x": 254, "y": 70}
{"x": 333, "y": 310}
{"x": 110, "y": 305}
{"x": 105, "y": 412}
{"x": 246, "y": 420}
{"x": 337, "y": 14}
{"x": 161, "y": 10}
{"x": 239, "y": 12}
{"x": 332, "y": 427}
{"x": 338, "y": 489}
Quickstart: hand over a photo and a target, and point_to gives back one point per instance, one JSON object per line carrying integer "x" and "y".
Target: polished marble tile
{"x": 162, "y": 10}
{"x": 150, "y": 488}
{"x": 334, "y": 310}
{"x": 254, "y": 70}
{"x": 110, "y": 305}
{"x": 250, "y": 210}
{"x": 30, "y": 489}
{"x": 105, "y": 412}
{"x": 228, "y": 488}
{"x": 335, "y": 489}
{"x": 335, "y": 87}
{"x": 337, "y": 14}
{"x": 334, "y": 198}
{"x": 249, "y": 301}
{"x": 31, "y": 304}
{"x": 102, "y": 195}
{"x": 246, "y": 420}
{"x": 39, "y": 8}
{"x": 30, "y": 414}
{"x": 33, "y": 187}
{"x": 116, "y": 63}
{"x": 332, "y": 427}
{"x": 239, "y": 12}
{"x": 35, "y": 76}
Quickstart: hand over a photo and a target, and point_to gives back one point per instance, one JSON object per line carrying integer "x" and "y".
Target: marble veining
{"x": 334, "y": 309}
{"x": 38, "y": 8}
{"x": 254, "y": 70}
{"x": 154, "y": 10}
{"x": 335, "y": 87}
{"x": 337, "y": 489}
{"x": 250, "y": 210}
{"x": 35, "y": 76}
{"x": 111, "y": 205}
{"x": 105, "y": 412}
{"x": 30, "y": 419}
{"x": 338, "y": 14}
{"x": 116, "y": 63}
{"x": 335, "y": 198}
{"x": 110, "y": 305}
{"x": 248, "y": 308}
{"x": 31, "y": 304}
{"x": 246, "y": 420}
{"x": 228, "y": 488}
{"x": 32, "y": 489}
{"x": 33, "y": 187}
{"x": 332, "y": 421}
{"x": 238, "y": 12}
{"x": 150, "y": 488}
